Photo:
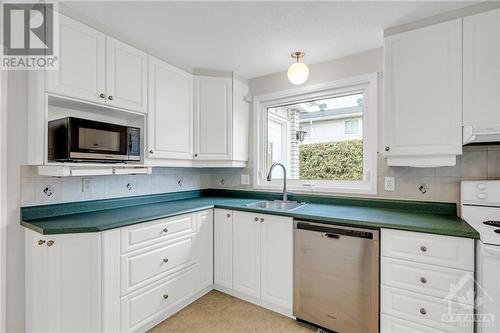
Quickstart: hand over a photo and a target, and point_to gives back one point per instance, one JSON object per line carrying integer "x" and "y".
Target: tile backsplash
{"x": 426, "y": 184}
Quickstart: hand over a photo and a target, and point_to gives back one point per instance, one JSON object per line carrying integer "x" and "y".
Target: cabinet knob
{"x": 110, "y": 98}
{"x": 165, "y": 230}
{"x": 50, "y": 243}
{"x": 41, "y": 242}
{"x": 423, "y": 311}
{"x": 261, "y": 219}
{"x": 423, "y": 280}
{"x": 195, "y": 155}
{"x": 228, "y": 215}
{"x": 151, "y": 151}
{"x": 102, "y": 95}
{"x": 165, "y": 260}
{"x": 423, "y": 248}
{"x": 387, "y": 148}
{"x": 256, "y": 219}
{"x": 165, "y": 296}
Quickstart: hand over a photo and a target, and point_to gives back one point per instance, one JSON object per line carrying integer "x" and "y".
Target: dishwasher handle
{"x": 335, "y": 232}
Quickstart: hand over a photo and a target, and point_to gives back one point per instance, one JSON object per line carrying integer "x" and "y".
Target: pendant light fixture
{"x": 298, "y": 71}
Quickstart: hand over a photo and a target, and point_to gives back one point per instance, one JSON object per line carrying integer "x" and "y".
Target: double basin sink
{"x": 277, "y": 205}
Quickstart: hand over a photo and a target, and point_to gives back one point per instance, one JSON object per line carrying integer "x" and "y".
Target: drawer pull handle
{"x": 423, "y": 248}
{"x": 423, "y": 311}
{"x": 41, "y": 242}
{"x": 165, "y": 230}
{"x": 256, "y": 219}
{"x": 165, "y": 260}
{"x": 50, "y": 243}
{"x": 165, "y": 296}
{"x": 261, "y": 219}
{"x": 423, "y": 280}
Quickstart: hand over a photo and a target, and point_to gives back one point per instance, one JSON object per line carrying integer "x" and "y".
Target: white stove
{"x": 481, "y": 209}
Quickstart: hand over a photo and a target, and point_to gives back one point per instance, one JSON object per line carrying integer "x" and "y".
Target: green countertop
{"x": 46, "y": 220}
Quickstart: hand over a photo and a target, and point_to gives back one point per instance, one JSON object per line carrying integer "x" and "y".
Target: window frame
{"x": 368, "y": 85}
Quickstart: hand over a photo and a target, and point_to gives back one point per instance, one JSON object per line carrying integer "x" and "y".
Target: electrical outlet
{"x": 389, "y": 183}
{"x": 245, "y": 179}
{"x": 87, "y": 185}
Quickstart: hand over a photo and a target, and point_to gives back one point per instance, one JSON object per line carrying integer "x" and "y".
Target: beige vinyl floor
{"x": 217, "y": 312}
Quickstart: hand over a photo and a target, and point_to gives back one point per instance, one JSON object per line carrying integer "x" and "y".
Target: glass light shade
{"x": 298, "y": 73}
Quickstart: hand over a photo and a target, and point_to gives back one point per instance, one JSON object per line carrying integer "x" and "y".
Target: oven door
{"x": 93, "y": 140}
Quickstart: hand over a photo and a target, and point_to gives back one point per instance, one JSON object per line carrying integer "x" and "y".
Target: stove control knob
{"x": 482, "y": 196}
{"x": 481, "y": 186}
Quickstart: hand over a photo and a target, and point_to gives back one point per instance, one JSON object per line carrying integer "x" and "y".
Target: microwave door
{"x": 93, "y": 140}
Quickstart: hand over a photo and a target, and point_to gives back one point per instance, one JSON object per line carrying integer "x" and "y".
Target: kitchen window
{"x": 325, "y": 135}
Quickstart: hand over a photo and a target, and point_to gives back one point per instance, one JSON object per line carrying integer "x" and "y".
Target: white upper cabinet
{"x": 213, "y": 117}
{"x": 423, "y": 96}
{"x": 81, "y": 72}
{"x": 97, "y": 68}
{"x": 170, "y": 115}
{"x": 482, "y": 69}
{"x": 126, "y": 76}
{"x": 221, "y": 119}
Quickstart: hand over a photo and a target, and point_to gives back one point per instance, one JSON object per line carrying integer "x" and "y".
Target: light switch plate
{"x": 245, "y": 179}
{"x": 389, "y": 183}
{"x": 87, "y": 185}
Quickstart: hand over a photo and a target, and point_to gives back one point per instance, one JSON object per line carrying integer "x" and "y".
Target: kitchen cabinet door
{"x": 69, "y": 269}
{"x": 277, "y": 261}
{"x": 204, "y": 247}
{"x": 126, "y": 76}
{"x": 246, "y": 253}
{"x": 423, "y": 96}
{"x": 170, "y": 114}
{"x": 213, "y": 118}
{"x": 223, "y": 248}
{"x": 81, "y": 62}
{"x": 482, "y": 69}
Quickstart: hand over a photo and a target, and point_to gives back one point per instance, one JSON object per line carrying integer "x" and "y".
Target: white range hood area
{"x": 481, "y": 134}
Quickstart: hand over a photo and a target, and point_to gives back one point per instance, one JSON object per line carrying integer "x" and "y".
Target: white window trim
{"x": 369, "y": 85}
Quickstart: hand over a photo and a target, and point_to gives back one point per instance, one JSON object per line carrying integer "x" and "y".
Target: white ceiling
{"x": 254, "y": 38}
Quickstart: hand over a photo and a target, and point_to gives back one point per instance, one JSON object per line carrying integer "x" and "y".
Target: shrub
{"x": 341, "y": 160}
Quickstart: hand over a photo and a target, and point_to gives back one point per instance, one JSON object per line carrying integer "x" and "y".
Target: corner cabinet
{"x": 261, "y": 248}
{"x": 170, "y": 114}
{"x": 221, "y": 119}
{"x": 63, "y": 282}
{"x": 423, "y": 96}
{"x": 120, "y": 280}
{"x": 98, "y": 68}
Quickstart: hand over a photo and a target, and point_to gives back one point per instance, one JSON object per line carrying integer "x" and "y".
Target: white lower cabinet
{"x": 223, "y": 248}
{"x": 120, "y": 280}
{"x": 63, "y": 282}
{"x": 262, "y": 258}
{"x": 427, "y": 283}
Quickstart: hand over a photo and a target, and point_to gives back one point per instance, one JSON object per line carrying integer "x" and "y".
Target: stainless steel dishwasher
{"x": 336, "y": 277}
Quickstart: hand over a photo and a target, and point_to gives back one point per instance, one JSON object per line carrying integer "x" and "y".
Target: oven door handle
{"x": 329, "y": 235}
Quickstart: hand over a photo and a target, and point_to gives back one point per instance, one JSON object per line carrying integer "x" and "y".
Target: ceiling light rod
{"x": 297, "y": 55}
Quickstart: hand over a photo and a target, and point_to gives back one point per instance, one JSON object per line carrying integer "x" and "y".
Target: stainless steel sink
{"x": 277, "y": 204}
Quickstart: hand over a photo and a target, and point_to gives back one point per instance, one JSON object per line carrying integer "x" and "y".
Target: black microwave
{"x": 81, "y": 140}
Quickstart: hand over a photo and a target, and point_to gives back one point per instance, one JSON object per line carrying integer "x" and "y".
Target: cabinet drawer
{"x": 427, "y": 279}
{"x": 390, "y": 324}
{"x": 142, "y": 307}
{"x": 426, "y": 310}
{"x": 438, "y": 250}
{"x": 145, "y": 234}
{"x": 145, "y": 266}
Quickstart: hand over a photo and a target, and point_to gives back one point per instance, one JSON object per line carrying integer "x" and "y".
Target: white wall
{"x": 16, "y": 156}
